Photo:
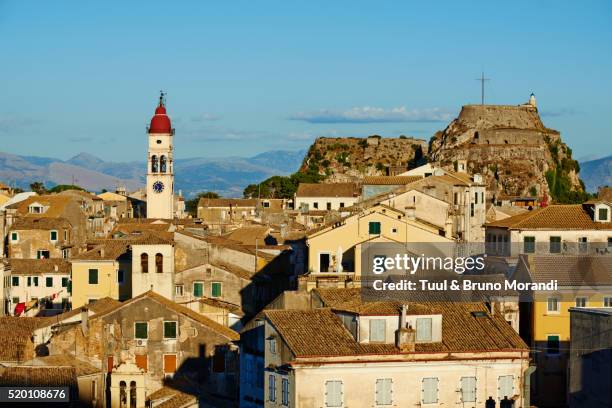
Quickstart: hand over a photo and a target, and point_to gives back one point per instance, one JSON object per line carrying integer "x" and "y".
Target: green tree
{"x": 38, "y": 187}
{"x": 63, "y": 187}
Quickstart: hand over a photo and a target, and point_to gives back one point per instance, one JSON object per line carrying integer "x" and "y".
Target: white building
{"x": 354, "y": 354}
{"x": 325, "y": 196}
{"x": 153, "y": 265}
{"x": 555, "y": 229}
{"x": 160, "y": 165}
{"x": 42, "y": 285}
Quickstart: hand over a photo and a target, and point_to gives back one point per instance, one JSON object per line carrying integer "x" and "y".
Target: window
{"x": 15, "y": 281}
{"x": 374, "y": 228}
{"x": 16, "y": 300}
{"x": 169, "y": 363}
{"x": 159, "y": 263}
{"x": 53, "y": 236}
{"x": 581, "y": 301}
{"x": 42, "y": 254}
{"x": 215, "y": 289}
{"x": 555, "y": 245}
{"x": 603, "y": 214}
{"x": 341, "y": 205}
{"x": 456, "y": 198}
{"x": 91, "y": 301}
{"x": 529, "y": 245}
{"x": 333, "y": 393}
{"x": 328, "y": 206}
{"x": 285, "y": 392}
{"x": 198, "y": 289}
{"x": 144, "y": 263}
{"x": 315, "y": 205}
{"x": 324, "y": 262}
{"x": 582, "y": 245}
{"x": 384, "y": 391}
{"x": 169, "y": 330}
{"x": 65, "y": 253}
{"x": 552, "y": 345}
{"x": 272, "y": 345}
{"x": 266, "y": 204}
{"x": 378, "y": 330}
{"x": 468, "y": 389}
{"x": 29, "y": 281}
{"x": 65, "y": 235}
{"x": 14, "y": 236}
{"x": 553, "y": 305}
{"x": 423, "y": 329}
{"x": 178, "y": 290}
{"x": 93, "y": 276}
{"x": 475, "y": 197}
{"x": 430, "y": 390}
{"x": 394, "y": 230}
{"x": 141, "y": 361}
{"x": 49, "y": 281}
{"x": 505, "y": 386}
{"x": 64, "y": 282}
{"x": 35, "y": 280}
{"x": 272, "y": 387}
{"x": 120, "y": 276}
{"x": 141, "y": 330}
{"x": 471, "y": 209}
{"x": 607, "y": 301}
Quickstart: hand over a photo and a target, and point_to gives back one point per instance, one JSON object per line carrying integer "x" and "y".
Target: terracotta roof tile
{"x": 569, "y": 270}
{"x": 226, "y": 202}
{"x": 390, "y": 180}
{"x": 171, "y": 398}
{"x": 554, "y": 217}
{"x": 327, "y": 190}
{"x": 40, "y": 223}
{"x": 38, "y": 266}
{"x": 30, "y": 376}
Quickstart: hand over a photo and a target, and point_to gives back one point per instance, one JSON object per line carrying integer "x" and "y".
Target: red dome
{"x": 160, "y": 123}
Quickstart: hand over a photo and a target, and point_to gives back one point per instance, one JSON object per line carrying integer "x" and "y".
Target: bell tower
{"x": 160, "y": 165}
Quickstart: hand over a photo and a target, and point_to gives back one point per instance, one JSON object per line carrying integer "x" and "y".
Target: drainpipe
{"x": 527, "y": 386}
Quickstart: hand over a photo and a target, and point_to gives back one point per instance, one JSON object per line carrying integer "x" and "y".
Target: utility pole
{"x": 482, "y": 80}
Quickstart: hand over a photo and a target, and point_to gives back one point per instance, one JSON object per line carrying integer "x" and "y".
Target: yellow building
{"x": 582, "y": 281}
{"x": 334, "y": 250}
{"x": 101, "y": 272}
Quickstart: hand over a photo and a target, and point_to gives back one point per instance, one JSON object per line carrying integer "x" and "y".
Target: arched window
{"x": 159, "y": 263}
{"x": 133, "y": 394}
{"x": 122, "y": 395}
{"x": 162, "y": 164}
{"x": 144, "y": 263}
{"x": 154, "y": 164}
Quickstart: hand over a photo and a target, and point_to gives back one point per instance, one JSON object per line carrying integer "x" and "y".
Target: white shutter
{"x": 423, "y": 329}
{"x": 378, "y": 329}
{"x": 384, "y": 390}
{"x": 430, "y": 390}
{"x": 468, "y": 389}
{"x": 333, "y": 393}
{"x": 506, "y": 386}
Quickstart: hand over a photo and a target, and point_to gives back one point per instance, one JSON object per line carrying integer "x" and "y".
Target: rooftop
{"x": 554, "y": 217}
{"x": 327, "y": 190}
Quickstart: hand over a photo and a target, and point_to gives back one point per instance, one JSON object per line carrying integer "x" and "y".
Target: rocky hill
{"x": 512, "y": 149}
{"x": 351, "y": 158}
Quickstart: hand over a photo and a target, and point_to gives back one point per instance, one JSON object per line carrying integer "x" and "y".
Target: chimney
{"x": 84, "y": 320}
{"x": 411, "y": 213}
{"x": 405, "y": 336}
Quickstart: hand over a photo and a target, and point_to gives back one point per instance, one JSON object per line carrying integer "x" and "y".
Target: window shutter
{"x": 333, "y": 394}
{"x": 430, "y": 390}
{"x": 468, "y": 389}
{"x": 506, "y": 386}
{"x": 384, "y": 391}
{"x": 377, "y": 330}
{"x": 423, "y": 329}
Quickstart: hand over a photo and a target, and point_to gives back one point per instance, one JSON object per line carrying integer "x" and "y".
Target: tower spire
{"x": 162, "y": 98}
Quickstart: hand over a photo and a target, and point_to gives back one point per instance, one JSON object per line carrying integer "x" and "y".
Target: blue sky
{"x": 244, "y": 77}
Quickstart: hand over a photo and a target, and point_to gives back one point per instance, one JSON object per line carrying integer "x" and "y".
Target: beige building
{"x": 40, "y": 238}
{"x": 334, "y": 251}
{"x": 226, "y": 210}
{"x": 325, "y": 196}
{"x": 354, "y": 354}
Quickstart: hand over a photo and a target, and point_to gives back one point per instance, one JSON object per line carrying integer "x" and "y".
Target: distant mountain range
{"x": 596, "y": 173}
{"x": 228, "y": 176}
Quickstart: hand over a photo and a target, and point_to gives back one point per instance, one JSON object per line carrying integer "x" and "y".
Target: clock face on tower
{"x": 158, "y": 187}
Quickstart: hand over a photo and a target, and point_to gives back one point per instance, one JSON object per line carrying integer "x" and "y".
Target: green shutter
{"x": 49, "y": 281}
{"x": 374, "y": 228}
{"x": 197, "y": 289}
{"x": 216, "y": 289}
{"x": 93, "y": 276}
{"x": 170, "y": 330}
{"x": 141, "y": 330}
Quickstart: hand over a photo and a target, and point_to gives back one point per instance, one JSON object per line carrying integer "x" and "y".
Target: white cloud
{"x": 205, "y": 117}
{"x": 369, "y": 114}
